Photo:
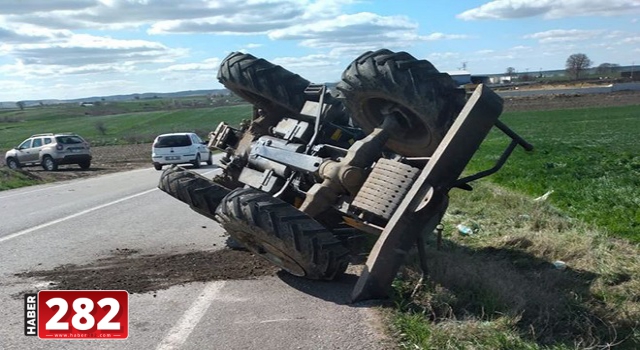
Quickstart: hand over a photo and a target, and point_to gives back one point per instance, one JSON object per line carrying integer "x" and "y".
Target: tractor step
{"x": 314, "y": 90}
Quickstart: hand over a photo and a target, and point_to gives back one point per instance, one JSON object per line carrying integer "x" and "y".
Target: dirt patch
{"x": 568, "y": 101}
{"x": 106, "y": 160}
{"x": 128, "y": 270}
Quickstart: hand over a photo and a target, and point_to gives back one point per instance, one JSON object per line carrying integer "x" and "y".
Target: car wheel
{"x": 210, "y": 159}
{"x": 49, "y": 164}
{"x": 157, "y": 166}
{"x": 12, "y": 163}
{"x": 196, "y": 163}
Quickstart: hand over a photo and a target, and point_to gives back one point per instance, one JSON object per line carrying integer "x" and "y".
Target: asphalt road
{"x": 81, "y": 221}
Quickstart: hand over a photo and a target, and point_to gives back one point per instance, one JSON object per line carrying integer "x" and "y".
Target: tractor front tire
{"x": 282, "y": 234}
{"x": 200, "y": 193}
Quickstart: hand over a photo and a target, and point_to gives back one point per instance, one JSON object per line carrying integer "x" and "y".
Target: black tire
{"x": 282, "y": 234}
{"x": 157, "y": 166}
{"x": 13, "y": 163}
{"x": 196, "y": 163}
{"x": 272, "y": 88}
{"x": 49, "y": 164}
{"x": 85, "y": 165}
{"x": 200, "y": 193}
{"x": 428, "y": 101}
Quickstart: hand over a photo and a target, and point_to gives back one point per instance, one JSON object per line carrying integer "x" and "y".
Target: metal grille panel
{"x": 385, "y": 188}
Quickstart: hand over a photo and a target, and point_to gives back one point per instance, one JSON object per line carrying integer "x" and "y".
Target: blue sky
{"x": 78, "y": 48}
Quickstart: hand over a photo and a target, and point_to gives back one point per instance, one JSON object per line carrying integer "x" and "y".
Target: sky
{"x": 64, "y": 49}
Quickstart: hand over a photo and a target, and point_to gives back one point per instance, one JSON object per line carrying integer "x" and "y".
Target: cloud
{"x": 210, "y": 65}
{"x": 564, "y": 35}
{"x": 512, "y": 9}
{"x": 19, "y": 7}
{"x": 320, "y": 68}
{"x": 30, "y": 34}
{"x": 169, "y": 16}
{"x": 362, "y": 29}
{"x": 81, "y": 49}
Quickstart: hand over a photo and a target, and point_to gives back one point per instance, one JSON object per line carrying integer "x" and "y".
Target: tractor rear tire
{"x": 267, "y": 86}
{"x": 282, "y": 234}
{"x": 426, "y": 100}
{"x": 202, "y": 194}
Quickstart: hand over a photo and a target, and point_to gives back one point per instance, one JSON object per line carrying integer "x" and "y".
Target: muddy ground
{"x": 106, "y": 160}
{"x": 567, "y": 101}
{"x": 138, "y": 273}
{"x": 134, "y": 272}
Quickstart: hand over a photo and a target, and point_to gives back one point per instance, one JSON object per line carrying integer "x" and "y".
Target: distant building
{"x": 461, "y": 77}
{"x": 633, "y": 75}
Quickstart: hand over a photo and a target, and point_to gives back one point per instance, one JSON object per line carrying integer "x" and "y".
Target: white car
{"x": 179, "y": 148}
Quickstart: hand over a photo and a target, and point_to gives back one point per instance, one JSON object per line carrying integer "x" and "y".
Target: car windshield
{"x": 69, "y": 140}
{"x": 173, "y": 141}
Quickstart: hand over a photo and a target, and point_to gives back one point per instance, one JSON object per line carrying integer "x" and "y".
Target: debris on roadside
{"x": 544, "y": 197}
{"x": 560, "y": 265}
{"x": 464, "y": 230}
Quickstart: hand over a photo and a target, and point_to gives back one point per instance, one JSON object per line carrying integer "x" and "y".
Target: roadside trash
{"x": 524, "y": 216}
{"x": 544, "y": 196}
{"x": 464, "y": 230}
{"x": 560, "y": 265}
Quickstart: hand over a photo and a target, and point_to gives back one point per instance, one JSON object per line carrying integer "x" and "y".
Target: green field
{"x": 590, "y": 158}
{"x": 126, "y": 128}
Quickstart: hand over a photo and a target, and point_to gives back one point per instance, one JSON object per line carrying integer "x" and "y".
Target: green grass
{"x": 120, "y": 128}
{"x": 10, "y": 179}
{"x": 590, "y": 158}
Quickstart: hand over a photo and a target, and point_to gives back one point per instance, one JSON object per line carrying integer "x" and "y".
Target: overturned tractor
{"x": 317, "y": 171}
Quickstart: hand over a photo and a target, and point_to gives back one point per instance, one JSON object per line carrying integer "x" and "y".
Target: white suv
{"x": 179, "y": 148}
{"x": 50, "y": 150}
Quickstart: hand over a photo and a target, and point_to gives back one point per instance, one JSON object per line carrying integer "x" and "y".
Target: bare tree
{"x": 510, "y": 72}
{"x": 21, "y": 105}
{"x": 102, "y": 129}
{"x": 577, "y": 63}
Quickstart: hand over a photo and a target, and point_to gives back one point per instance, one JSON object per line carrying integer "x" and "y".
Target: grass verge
{"x": 499, "y": 289}
{"x": 589, "y": 157}
{"x": 10, "y": 179}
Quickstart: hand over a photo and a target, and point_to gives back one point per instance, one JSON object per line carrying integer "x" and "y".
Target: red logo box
{"x": 83, "y": 314}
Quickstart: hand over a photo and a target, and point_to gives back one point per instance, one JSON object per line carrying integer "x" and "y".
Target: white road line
{"x": 27, "y": 192}
{"x": 69, "y": 182}
{"x": 190, "y": 319}
{"x": 72, "y": 216}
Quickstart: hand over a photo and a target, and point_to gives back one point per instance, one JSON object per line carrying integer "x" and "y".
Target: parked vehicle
{"x": 179, "y": 148}
{"x": 50, "y": 150}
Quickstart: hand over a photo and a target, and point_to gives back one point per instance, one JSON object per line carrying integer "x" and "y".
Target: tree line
{"x": 576, "y": 65}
